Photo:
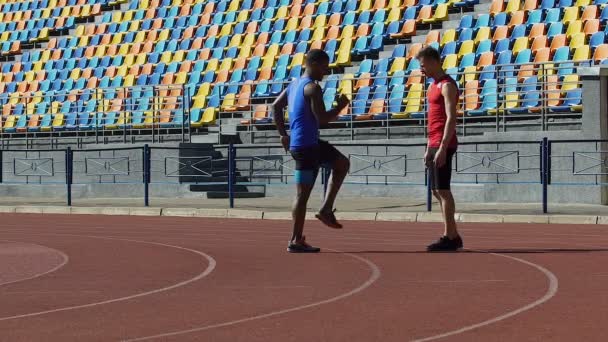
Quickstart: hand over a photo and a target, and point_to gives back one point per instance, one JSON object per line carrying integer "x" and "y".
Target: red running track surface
{"x": 102, "y": 278}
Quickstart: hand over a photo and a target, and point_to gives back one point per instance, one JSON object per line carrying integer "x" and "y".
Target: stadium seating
{"x": 159, "y": 57}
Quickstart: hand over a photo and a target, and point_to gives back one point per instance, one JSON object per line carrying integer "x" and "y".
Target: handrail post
{"x": 68, "y": 174}
{"x": 146, "y": 176}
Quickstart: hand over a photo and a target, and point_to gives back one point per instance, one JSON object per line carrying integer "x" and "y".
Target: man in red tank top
{"x": 442, "y": 97}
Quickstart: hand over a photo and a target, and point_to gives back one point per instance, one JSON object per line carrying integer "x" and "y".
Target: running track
{"x": 103, "y": 278}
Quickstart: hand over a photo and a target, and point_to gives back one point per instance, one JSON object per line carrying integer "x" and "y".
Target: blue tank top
{"x": 302, "y": 121}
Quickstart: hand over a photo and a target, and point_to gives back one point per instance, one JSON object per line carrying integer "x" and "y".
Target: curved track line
{"x": 65, "y": 257}
{"x": 551, "y": 291}
{"x": 375, "y": 275}
{"x": 210, "y": 267}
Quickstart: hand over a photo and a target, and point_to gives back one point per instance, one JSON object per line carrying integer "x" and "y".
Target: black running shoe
{"x": 302, "y": 247}
{"x": 445, "y": 244}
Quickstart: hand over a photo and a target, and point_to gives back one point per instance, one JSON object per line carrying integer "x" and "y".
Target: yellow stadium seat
{"x": 117, "y": 17}
{"x": 582, "y": 53}
{"x": 134, "y": 27}
{"x": 520, "y": 44}
{"x": 450, "y": 61}
{"x": 129, "y": 81}
{"x": 347, "y": 32}
{"x": 398, "y": 65}
{"x": 9, "y": 122}
{"x": 226, "y": 64}
{"x": 570, "y": 82}
{"x": 243, "y": 16}
{"x": 318, "y": 34}
{"x": 570, "y": 14}
{"x": 229, "y": 101}
{"x": 101, "y": 51}
{"x": 346, "y": 85}
{"x": 282, "y": 12}
{"x": 468, "y": 46}
{"x": 364, "y": 5}
{"x": 212, "y": 65}
{"x": 208, "y": 118}
{"x": 414, "y": 99}
{"x": 127, "y": 16}
{"x": 320, "y": 21}
{"x": 513, "y": 6}
{"x": 43, "y": 36}
{"x": 298, "y": 59}
{"x": 179, "y": 56}
{"x": 58, "y": 120}
{"x": 440, "y": 14}
{"x": 583, "y": 3}
{"x": 122, "y": 70}
{"x": 483, "y": 34}
{"x": 164, "y": 35}
{"x": 38, "y": 66}
{"x": 577, "y": 40}
{"x": 166, "y": 57}
{"x": 292, "y": 24}
{"x": 573, "y": 28}
{"x": 344, "y": 54}
{"x": 75, "y": 74}
{"x": 448, "y": 36}
{"x": 142, "y": 59}
{"x": 234, "y": 5}
{"x": 80, "y": 31}
{"x": 203, "y": 90}
{"x": 30, "y": 75}
{"x": 83, "y": 41}
{"x": 470, "y": 74}
{"x": 393, "y": 15}
{"x": 117, "y": 38}
{"x": 226, "y": 30}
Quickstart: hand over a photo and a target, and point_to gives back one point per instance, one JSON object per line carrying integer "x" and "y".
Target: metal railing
{"x": 496, "y": 96}
{"x": 229, "y": 169}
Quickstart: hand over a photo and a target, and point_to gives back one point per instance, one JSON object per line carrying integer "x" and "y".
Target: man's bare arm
{"x": 277, "y": 108}
{"x": 450, "y": 95}
{"x": 315, "y": 95}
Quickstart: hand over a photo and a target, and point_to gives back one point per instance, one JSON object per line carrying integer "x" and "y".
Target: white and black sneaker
{"x": 302, "y": 247}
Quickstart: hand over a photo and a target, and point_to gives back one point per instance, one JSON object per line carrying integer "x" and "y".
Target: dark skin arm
{"x": 277, "y": 108}
{"x": 315, "y": 95}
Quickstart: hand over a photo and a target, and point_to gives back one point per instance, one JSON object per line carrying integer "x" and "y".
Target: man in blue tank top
{"x": 304, "y": 98}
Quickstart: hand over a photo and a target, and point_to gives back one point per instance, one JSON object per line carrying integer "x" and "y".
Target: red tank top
{"x": 437, "y": 116}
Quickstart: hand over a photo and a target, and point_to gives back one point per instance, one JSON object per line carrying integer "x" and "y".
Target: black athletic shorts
{"x": 308, "y": 160}
{"x": 440, "y": 177}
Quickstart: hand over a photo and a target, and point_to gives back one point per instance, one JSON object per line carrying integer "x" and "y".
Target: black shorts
{"x": 311, "y": 158}
{"x": 440, "y": 177}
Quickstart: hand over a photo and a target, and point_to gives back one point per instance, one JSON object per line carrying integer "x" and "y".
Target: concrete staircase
{"x": 212, "y": 173}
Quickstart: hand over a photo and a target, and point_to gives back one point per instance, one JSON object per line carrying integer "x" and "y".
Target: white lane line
{"x": 551, "y": 291}
{"x": 64, "y": 262}
{"x": 211, "y": 263}
{"x": 374, "y": 276}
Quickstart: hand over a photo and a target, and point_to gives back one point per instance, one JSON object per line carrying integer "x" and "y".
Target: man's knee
{"x": 444, "y": 194}
{"x": 341, "y": 165}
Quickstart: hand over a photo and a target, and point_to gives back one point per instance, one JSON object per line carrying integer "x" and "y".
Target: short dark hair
{"x": 316, "y": 56}
{"x": 429, "y": 52}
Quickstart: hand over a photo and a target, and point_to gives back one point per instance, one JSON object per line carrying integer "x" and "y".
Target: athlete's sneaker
{"x": 302, "y": 247}
{"x": 329, "y": 219}
{"x": 445, "y": 244}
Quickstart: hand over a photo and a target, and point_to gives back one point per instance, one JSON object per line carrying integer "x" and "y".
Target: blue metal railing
{"x": 557, "y": 163}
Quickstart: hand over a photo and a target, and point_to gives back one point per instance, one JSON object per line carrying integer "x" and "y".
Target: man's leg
{"x": 305, "y": 180}
{"x": 339, "y": 169}
{"x": 448, "y": 209}
{"x": 298, "y": 212}
{"x": 441, "y": 178}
